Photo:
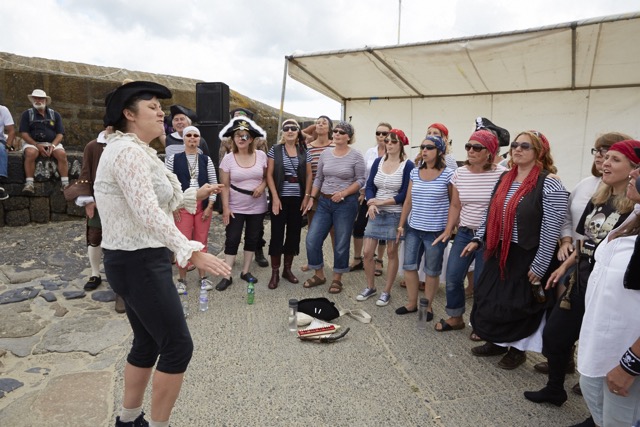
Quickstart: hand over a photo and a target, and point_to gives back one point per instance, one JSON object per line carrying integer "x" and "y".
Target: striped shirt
{"x": 337, "y": 173}
{"x": 192, "y": 159}
{"x": 554, "y": 207}
{"x": 430, "y": 201}
{"x": 389, "y": 186}
{"x": 315, "y": 153}
{"x": 290, "y": 164}
{"x": 474, "y": 190}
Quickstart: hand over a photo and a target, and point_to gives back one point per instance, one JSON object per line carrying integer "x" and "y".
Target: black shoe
{"x": 223, "y": 284}
{"x": 488, "y": 349}
{"x": 543, "y": 367}
{"x": 403, "y": 310}
{"x": 586, "y": 423}
{"x": 512, "y": 359}
{"x": 248, "y": 277}
{"x": 547, "y": 395}
{"x": 93, "y": 283}
{"x": 260, "y": 259}
{"x": 138, "y": 422}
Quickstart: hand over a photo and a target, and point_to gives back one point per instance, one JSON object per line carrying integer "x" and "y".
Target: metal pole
{"x": 399, "y": 18}
{"x": 284, "y": 88}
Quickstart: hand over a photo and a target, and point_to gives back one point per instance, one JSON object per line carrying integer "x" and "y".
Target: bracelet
{"x": 313, "y": 197}
{"x": 400, "y": 228}
{"x": 630, "y": 363}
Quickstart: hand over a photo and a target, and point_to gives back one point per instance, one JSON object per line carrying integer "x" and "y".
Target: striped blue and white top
{"x": 430, "y": 201}
{"x": 554, "y": 207}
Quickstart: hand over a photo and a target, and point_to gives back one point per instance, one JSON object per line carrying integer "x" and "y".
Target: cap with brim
{"x": 39, "y": 93}
{"x": 242, "y": 123}
{"x": 502, "y": 134}
{"x": 176, "y": 109}
{"x": 117, "y": 100}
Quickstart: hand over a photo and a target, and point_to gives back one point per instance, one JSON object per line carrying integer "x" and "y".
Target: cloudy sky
{"x": 243, "y": 42}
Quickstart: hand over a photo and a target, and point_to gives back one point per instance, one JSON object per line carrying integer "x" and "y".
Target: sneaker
{"x": 206, "y": 284}
{"x": 181, "y": 286}
{"x": 383, "y": 300}
{"x": 365, "y": 294}
{"x": 3, "y": 194}
{"x": 93, "y": 283}
{"x": 29, "y": 188}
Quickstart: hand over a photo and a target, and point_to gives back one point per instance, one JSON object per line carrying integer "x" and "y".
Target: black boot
{"x": 286, "y": 271}
{"x": 260, "y": 259}
{"x": 275, "y": 272}
{"x": 554, "y": 391}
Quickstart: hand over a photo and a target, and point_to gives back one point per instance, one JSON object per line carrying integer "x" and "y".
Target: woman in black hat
{"x": 244, "y": 202}
{"x": 137, "y": 196}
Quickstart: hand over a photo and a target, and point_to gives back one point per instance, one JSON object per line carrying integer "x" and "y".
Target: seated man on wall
{"x": 6, "y": 143}
{"x": 42, "y": 131}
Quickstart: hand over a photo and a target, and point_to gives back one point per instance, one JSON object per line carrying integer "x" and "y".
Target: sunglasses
{"x": 341, "y": 132}
{"x": 289, "y": 128}
{"x": 524, "y": 145}
{"x": 428, "y": 147}
{"x": 602, "y": 151}
{"x": 382, "y": 133}
{"x": 192, "y": 135}
{"x": 476, "y": 147}
{"x": 390, "y": 141}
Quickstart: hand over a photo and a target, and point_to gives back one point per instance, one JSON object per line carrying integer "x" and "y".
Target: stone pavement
{"x": 61, "y": 362}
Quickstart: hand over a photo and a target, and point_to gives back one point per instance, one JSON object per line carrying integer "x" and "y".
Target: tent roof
{"x": 596, "y": 53}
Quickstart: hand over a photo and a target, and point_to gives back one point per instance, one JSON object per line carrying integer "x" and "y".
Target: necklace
{"x": 192, "y": 170}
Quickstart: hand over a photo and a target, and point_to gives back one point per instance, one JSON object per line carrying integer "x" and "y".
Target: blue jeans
{"x": 457, "y": 268}
{"x": 3, "y": 159}
{"x": 339, "y": 215}
{"x": 413, "y": 240}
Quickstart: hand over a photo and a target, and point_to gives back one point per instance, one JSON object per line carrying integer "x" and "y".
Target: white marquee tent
{"x": 570, "y": 81}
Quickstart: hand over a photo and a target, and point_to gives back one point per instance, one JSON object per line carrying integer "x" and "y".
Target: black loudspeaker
{"x": 210, "y": 131}
{"x": 212, "y": 102}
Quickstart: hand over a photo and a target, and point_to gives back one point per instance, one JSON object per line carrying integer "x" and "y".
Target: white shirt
{"x": 578, "y": 200}
{"x": 5, "y": 120}
{"x": 136, "y": 196}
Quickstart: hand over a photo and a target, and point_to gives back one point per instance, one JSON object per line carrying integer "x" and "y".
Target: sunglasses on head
{"x": 428, "y": 147}
{"x": 192, "y": 135}
{"x": 382, "y": 133}
{"x": 289, "y": 128}
{"x": 387, "y": 141}
{"x": 602, "y": 151}
{"x": 523, "y": 145}
{"x": 476, "y": 147}
{"x": 340, "y": 131}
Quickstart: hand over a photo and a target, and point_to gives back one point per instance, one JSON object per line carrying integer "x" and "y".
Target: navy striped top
{"x": 429, "y": 201}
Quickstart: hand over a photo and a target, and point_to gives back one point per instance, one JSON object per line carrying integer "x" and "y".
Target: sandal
{"x": 358, "y": 265}
{"x": 336, "y": 287}
{"x": 314, "y": 281}
{"x": 474, "y": 337}
{"x": 378, "y": 271}
{"x": 445, "y": 327}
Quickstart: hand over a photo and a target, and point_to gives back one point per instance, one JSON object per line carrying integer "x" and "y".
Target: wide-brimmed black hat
{"x": 502, "y": 134}
{"x": 181, "y": 109}
{"x": 116, "y": 101}
{"x": 242, "y": 123}
{"x": 241, "y": 112}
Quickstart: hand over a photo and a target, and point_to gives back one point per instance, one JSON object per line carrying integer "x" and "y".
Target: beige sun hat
{"x": 39, "y": 93}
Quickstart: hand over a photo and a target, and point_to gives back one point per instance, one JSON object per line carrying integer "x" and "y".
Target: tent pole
{"x": 284, "y": 88}
{"x": 399, "y": 18}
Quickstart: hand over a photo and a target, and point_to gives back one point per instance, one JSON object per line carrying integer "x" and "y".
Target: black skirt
{"x": 504, "y": 310}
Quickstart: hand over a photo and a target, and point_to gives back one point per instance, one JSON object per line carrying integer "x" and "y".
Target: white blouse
{"x": 136, "y": 196}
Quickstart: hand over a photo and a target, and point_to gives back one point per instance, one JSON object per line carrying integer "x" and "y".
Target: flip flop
{"x": 336, "y": 287}
{"x": 445, "y": 327}
{"x": 314, "y": 281}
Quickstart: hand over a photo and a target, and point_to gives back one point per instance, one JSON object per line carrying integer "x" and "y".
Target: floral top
{"x": 136, "y": 196}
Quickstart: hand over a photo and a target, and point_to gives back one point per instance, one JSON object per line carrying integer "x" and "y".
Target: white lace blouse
{"x": 136, "y": 195}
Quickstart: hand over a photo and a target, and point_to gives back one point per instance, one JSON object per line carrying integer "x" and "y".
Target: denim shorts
{"x": 383, "y": 227}
{"x": 433, "y": 254}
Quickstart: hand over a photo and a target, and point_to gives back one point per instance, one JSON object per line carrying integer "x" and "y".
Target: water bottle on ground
{"x": 422, "y": 314}
{"x": 251, "y": 293}
{"x": 204, "y": 299}
{"x": 293, "y": 315}
{"x": 184, "y": 300}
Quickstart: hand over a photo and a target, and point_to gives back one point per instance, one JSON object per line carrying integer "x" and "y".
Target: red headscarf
{"x": 401, "y": 136}
{"x": 442, "y": 128}
{"x": 486, "y": 138}
{"x": 627, "y": 148}
{"x": 501, "y": 218}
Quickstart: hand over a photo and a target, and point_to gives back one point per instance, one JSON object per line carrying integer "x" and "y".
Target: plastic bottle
{"x": 251, "y": 293}
{"x": 184, "y": 299}
{"x": 293, "y": 315}
{"x": 203, "y": 300}
{"x": 422, "y": 314}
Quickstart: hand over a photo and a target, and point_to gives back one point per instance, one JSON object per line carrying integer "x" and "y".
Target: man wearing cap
{"x": 6, "y": 123}
{"x": 42, "y": 131}
{"x": 181, "y": 117}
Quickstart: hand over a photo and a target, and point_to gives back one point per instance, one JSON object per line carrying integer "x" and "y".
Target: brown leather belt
{"x": 326, "y": 196}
